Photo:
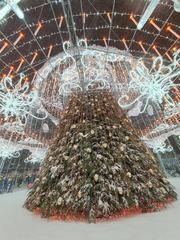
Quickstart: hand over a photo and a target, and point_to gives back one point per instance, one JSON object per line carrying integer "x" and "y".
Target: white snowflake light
{"x": 16, "y": 99}
{"x": 8, "y": 150}
{"x": 161, "y": 148}
{"x": 158, "y": 144}
{"x": 37, "y": 155}
{"x": 152, "y": 85}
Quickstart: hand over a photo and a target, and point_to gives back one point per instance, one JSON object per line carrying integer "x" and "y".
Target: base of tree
{"x": 124, "y": 213}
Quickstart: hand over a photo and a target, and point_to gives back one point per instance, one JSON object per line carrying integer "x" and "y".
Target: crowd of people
{"x": 12, "y": 182}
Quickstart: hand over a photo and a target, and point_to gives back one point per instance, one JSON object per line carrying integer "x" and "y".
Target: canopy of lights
{"x": 52, "y": 48}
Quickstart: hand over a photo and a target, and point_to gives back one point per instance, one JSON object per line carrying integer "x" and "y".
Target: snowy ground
{"x": 17, "y": 223}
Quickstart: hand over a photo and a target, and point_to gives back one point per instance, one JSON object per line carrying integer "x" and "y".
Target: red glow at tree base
{"x": 128, "y": 212}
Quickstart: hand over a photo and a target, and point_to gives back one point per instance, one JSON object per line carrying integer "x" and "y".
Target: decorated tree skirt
{"x": 97, "y": 168}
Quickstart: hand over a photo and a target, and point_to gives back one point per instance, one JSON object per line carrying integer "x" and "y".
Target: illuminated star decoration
{"x": 16, "y": 100}
{"x": 152, "y": 85}
{"x": 11, "y": 5}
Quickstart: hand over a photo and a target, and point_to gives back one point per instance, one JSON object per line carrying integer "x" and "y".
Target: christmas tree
{"x": 97, "y": 168}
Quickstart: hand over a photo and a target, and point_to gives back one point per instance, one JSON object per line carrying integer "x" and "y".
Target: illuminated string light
{"x": 20, "y": 65}
{"x": 5, "y": 45}
{"x": 174, "y": 49}
{"x": 114, "y": 26}
{"x": 133, "y": 19}
{"x": 61, "y": 21}
{"x": 141, "y": 45}
{"x": 21, "y": 35}
{"x": 34, "y": 57}
{"x": 10, "y": 71}
{"x": 89, "y": 40}
{"x": 109, "y": 17}
{"x": 155, "y": 25}
{"x": 156, "y": 50}
{"x": 84, "y": 18}
{"x": 50, "y": 50}
{"x": 125, "y": 44}
{"x": 38, "y": 28}
{"x": 4, "y": 75}
{"x": 169, "y": 57}
{"x": 173, "y": 32}
{"x": 34, "y": 77}
{"x": 105, "y": 42}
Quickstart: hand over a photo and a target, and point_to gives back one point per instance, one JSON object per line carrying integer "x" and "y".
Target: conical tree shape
{"x": 97, "y": 167}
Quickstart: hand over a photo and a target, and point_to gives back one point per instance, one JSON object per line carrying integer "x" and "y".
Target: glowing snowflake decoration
{"x": 151, "y": 85}
{"x": 36, "y": 156}
{"x": 161, "y": 148}
{"x": 158, "y": 144}
{"x": 16, "y": 100}
{"x": 8, "y": 150}
{"x": 171, "y": 110}
{"x": 6, "y": 153}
